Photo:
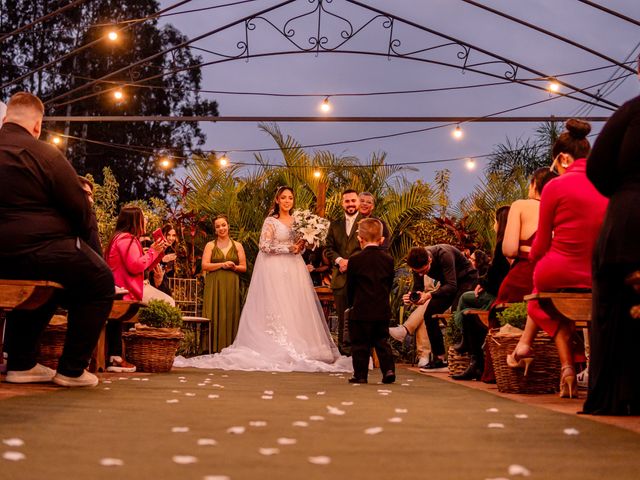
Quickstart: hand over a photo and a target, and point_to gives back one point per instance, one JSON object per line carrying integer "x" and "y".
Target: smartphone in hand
{"x": 158, "y": 236}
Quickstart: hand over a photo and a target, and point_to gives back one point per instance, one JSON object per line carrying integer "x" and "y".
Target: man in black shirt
{"x": 447, "y": 265}
{"x": 45, "y": 224}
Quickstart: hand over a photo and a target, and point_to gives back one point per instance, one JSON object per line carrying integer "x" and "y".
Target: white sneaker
{"x": 422, "y": 362}
{"x": 87, "y": 379}
{"x": 399, "y": 333}
{"x": 37, "y": 374}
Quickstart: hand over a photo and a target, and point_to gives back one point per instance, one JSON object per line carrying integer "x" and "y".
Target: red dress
{"x": 571, "y": 214}
{"x": 519, "y": 280}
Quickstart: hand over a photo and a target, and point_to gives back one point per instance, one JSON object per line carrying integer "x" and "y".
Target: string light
{"x": 56, "y": 140}
{"x": 118, "y": 94}
{"x": 325, "y": 106}
{"x": 224, "y": 160}
{"x": 471, "y": 164}
{"x": 554, "y": 86}
{"x": 317, "y": 173}
{"x": 112, "y": 35}
{"x": 457, "y": 133}
{"x": 165, "y": 163}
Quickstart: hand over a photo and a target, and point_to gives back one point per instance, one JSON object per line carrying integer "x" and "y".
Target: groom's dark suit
{"x": 369, "y": 282}
{"x": 341, "y": 245}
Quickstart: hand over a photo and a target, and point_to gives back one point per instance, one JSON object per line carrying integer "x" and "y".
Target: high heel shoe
{"x": 568, "y": 382}
{"x": 520, "y": 360}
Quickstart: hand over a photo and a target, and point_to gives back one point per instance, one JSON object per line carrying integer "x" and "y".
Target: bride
{"x": 282, "y": 327}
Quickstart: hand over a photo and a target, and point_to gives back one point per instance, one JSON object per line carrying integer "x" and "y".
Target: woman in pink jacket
{"x": 128, "y": 262}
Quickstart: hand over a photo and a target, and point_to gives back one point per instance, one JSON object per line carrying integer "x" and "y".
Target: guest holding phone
{"x": 223, "y": 260}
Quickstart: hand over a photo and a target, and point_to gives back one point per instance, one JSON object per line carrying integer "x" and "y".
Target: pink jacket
{"x": 128, "y": 263}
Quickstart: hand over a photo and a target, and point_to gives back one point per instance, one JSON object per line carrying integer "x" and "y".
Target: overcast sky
{"x": 349, "y": 73}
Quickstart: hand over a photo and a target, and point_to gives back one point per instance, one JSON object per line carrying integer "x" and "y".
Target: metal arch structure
{"x": 332, "y": 33}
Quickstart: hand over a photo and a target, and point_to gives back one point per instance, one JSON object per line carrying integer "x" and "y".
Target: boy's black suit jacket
{"x": 369, "y": 281}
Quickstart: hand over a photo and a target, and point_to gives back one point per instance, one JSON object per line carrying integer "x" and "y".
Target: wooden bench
{"x": 196, "y": 323}
{"x": 485, "y": 315}
{"x": 573, "y": 307}
{"x": 122, "y": 311}
{"x": 23, "y": 295}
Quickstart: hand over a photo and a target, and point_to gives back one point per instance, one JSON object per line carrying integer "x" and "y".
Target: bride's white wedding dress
{"x": 282, "y": 327}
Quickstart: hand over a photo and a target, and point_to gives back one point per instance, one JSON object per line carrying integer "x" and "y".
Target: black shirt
{"x": 449, "y": 267}
{"x": 497, "y": 271}
{"x": 41, "y": 198}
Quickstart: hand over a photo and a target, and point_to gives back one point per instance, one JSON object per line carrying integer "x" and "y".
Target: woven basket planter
{"x": 152, "y": 349}
{"x": 543, "y": 375}
{"x": 52, "y": 342}
{"x": 457, "y": 362}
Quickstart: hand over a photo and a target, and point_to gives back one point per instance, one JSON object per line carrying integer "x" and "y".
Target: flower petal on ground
{"x": 320, "y": 460}
{"x": 266, "y": 397}
{"x": 111, "y": 462}
{"x": 519, "y": 470}
{"x": 521, "y": 415}
{"x": 395, "y": 420}
{"x": 492, "y": 410}
{"x": 180, "y": 429}
{"x": 302, "y": 397}
{"x": 334, "y": 410}
{"x": 320, "y": 393}
{"x": 184, "y": 459}
{"x": 347, "y": 404}
{"x": 206, "y": 442}
{"x": 13, "y": 442}
{"x": 268, "y": 451}
{"x": 213, "y": 395}
{"x": 287, "y": 441}
{"x": 216, "y": 477}
{"x": 14, "y": 456}
{"x": 268, "y": 392}
{"x": 571, "y": 431}
{"x": 495, "y": 425}
{"x": 173, "y": 400}
{"x": 237, "y": 430}
{"x": 373, "y": 430}
{"x": 316, "y": 418}
{"x": 401, "y": 410}
{"x": 300, "y": 423}
{"x": 258, "y": 423}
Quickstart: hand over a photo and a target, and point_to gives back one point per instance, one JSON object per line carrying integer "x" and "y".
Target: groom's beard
{"x": 351, "y": 210}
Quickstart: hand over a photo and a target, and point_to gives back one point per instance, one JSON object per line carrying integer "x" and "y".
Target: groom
{"x": 342, "y": 242}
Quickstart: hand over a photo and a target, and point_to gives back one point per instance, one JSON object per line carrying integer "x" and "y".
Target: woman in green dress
{"x": 223, "y": 260}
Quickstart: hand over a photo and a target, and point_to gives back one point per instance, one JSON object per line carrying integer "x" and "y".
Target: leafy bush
{"x": 160, "y": 314}
{"x": 514, "y": 315}
{"x": 452, "y": 333}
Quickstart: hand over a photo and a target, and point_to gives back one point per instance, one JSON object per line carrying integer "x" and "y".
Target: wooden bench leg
{"x": 99, "y": 358}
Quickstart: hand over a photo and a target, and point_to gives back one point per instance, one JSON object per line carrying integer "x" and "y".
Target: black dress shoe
{"x": 473, "y": 372}
{"x": 434, "y": 365}
{"x": 389, "y": 377}
{"x": 358, "y": 380}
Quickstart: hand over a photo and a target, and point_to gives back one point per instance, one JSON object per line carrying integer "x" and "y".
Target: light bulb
{"x": 56, "y": 140}
{"x": 457, "y": 133}
{"x": 554, "y": 86}
{"x": 165, "y": 163}
{"x": 325, "y": 106}
{"x": 471, "y": 164}
{"x": 317, "y": 174}
{"x": 112, "y": 35}
{"x": 118, "y": 94}
{"x": 224, "y": 161}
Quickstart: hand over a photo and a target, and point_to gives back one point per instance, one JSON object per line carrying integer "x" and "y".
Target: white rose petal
{"x": 268, "y": 392}
{"x": 184, "y": 459}
{"x": 321, "y": 460}
{"x": 269, "y": 451}
{"x": 216, "y": 477}
{"x": 180, "y": 429}
{"x": 266, "y": 397}
{"x": 225, "y": 376}
{"x": 384, "y": 394}
{"x": 287, "y": 441}
{"x": 181, "y": 378}
{"x": 213, "y": 395}
{"x": 135, "y": 379}
{"x": 405, "y": 384}
{"x": 497, "y": 478}
{"x": 492, "y": 410}
{"x": 258, "y": 423}
{"x": 183, "y": 381}
{"x": 189, "y": 394}
{"x": 320, "y": 393}
{"x": 14, "y": 456}
{"x": 495, "y": 425}
{"x": 316, "y": 418}
{"x": 123, "y": 378}
{"x": 373, "y": 430}
{"x": 521, "y": 415}
{"x": 215, "y": 385}
{"x": 519, "y": 470}
{"x": 571, "y": 431}
{"x": 144, "y": 379}
{"x": 384, "y": 390}
{"x": 334, "y": 410}
{"x": 175, "y": 391}
{"x": 106, "y": 381}
{"x": 395, "y": 420}
{"x": 236, "y": 430}
{"x": 302, "y": 397}
{"x": 206, "y": 442}
{"x": 13, "y": 442}
{"x": 347, "y": 404}
{"x": 106, "y": 388}
{"x": 201, "y": 384}
{"x": 300, "y": 423}
{"x": 173, "y": 400}
{"x": 409, "y": 379}
{"x": 401, "y": 410}
{"x": 111, "y": 462}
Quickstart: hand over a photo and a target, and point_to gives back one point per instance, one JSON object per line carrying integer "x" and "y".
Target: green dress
{"x": 221, "y": 302}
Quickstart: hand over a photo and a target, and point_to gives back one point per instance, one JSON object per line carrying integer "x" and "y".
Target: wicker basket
{"x": 152, "y": 349}
{"x": 543, "y": 375}
{"x": 52, "y": 342}
{"x": 457, "y": 362}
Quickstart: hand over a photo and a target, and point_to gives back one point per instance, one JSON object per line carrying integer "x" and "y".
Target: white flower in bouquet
{"x": 310, "y": 227}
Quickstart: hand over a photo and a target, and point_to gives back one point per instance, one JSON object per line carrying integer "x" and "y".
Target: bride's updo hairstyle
{"x": 574, "y": 139}
{"x": 275, "y": 208}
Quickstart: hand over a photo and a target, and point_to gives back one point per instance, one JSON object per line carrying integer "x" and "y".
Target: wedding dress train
{"x": 282, "y": 326}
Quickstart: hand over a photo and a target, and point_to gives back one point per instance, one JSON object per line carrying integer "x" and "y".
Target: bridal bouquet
{"x": 310, "y": 227}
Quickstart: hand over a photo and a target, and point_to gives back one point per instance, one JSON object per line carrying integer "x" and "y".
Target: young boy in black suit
{"x": 369, "y": 281}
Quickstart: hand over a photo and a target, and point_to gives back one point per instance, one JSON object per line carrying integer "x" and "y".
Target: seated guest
{"x": 473, "y": 331}
{"x": 166, "y": 269}
{"x": 128, "y": 263}
{"x": 519, "y": 233}
{"x": 571, "y": 214}
{"x": 94, "y": 235}
{"x": 447, "y": 265}
{"x": 45, "y": 221}
{"x": 369, "y": 281}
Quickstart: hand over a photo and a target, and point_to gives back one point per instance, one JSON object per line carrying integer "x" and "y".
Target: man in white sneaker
{"x": 45, "y": 220}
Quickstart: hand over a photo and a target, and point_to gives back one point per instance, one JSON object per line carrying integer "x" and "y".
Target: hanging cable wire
{"x": 41, "y": 19}
{"x": 611, "y": 12}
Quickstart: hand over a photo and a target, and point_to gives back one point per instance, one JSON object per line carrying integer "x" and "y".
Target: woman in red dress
{"x": 571, "y": 214}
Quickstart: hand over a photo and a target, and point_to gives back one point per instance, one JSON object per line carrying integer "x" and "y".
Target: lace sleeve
{"x": 268, "y": 241}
